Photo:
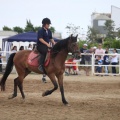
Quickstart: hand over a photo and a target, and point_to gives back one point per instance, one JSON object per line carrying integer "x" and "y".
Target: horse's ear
{"x": 71, "y": 35}
{"x": 76, "y": 35}
{"x": 71, "y": 38}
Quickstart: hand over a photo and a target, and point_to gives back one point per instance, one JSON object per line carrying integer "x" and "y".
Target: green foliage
{"x": 36, "y": 28}
{"x": 29, "y": 26}
{"x": 111, "y": 43}
{"x": 109, "y": 26}
{"x": 92, "y": 35}
{"x": 18, "y": 29}
{"x": 5, "y": 28}
{"x": 52, "y": 29}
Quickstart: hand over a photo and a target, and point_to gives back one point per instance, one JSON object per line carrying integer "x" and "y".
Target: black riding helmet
{"x": 46, "y": 21}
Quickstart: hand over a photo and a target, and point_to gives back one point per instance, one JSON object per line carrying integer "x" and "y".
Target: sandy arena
{"x": 90, "y": 98}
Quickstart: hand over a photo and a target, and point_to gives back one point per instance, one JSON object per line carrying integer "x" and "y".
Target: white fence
{"x": 78, "y": 62}
{"x": 93, "y": 64}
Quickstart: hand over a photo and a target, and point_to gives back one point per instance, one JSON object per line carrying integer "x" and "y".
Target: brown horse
{"x": 56, "y": 66}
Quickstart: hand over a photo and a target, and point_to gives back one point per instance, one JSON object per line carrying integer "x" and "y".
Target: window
{"x": 101, "y": 22}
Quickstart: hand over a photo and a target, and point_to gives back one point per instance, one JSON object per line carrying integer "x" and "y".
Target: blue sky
{"x": 61, "y": 12}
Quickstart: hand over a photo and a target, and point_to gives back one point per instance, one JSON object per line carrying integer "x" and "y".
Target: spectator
{"x": 0, "y": 61}
{"x": 21, "y": 48}
{"x": 106, "y": 62}
{"x": 100, "y": 62}
{"x": 114, "y": 61}
{"x": 82, "y": 62}
{"x": 88, "y": 59}
{"x": 34, "y": 47}
{"x": 14, "y": 49}
{"x": 30, "y": 47}
{"x": 83, "y": 50}
{"x": 98, "y": 52}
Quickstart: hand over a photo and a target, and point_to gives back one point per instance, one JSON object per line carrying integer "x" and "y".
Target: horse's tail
{"x": 8, "y": 70}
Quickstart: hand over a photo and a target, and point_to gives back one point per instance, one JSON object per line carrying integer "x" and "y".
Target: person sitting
{"x": 14, "y": 49}
{"x": 30, "y": 47}
{"x": 21, "y": 48}
{"x": 44, "y": 37}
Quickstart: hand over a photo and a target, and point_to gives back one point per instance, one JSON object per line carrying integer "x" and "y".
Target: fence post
{"x": 119, "y": 63}
{"x": 92, "y": 64}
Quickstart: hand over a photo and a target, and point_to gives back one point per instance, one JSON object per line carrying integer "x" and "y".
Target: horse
{"x": 55, "y": 68}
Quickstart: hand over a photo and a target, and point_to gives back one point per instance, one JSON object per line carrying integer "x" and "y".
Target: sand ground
{"x": 90, "y": 98}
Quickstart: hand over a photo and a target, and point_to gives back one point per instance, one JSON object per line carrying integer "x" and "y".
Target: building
{"x": 57, "y": 35}
{"x": 98, "y": 20}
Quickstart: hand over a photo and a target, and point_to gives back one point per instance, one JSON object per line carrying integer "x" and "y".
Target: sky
{"x": 61, "y": 12}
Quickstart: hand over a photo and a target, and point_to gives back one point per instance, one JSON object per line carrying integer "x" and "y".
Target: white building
{"x": 5, "y": 34}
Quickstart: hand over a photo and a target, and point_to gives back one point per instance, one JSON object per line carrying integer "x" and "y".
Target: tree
{"x": 18, "y": 29}
{"x": 118, "y": 33}
{"x": 52, "y": 29}
{"x": 36, "y": 28}
{"x": 110, "y": 26}
{"x": 92, "y": 35}
{"x": 5, "y": 28}
{"x": 29, "y": 26}
{"x": 72, "y": 29}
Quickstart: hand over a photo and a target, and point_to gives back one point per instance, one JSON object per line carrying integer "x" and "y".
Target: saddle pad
{"x": 33, "y": 59}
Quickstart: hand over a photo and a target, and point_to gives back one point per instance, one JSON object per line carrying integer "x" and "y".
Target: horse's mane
{"x": 62, "y": 44}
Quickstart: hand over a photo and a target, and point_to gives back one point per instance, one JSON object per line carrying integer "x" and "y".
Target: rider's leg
{"x": 43, "y": 50}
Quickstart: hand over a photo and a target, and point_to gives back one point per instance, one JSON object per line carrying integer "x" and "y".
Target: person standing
{"x": 83, "y": 50}
{"x": 88, "y": 60}
{"x": 99, "y": 67}
{"x": 106, "y": 62}
{"x": 99, "y": 52}
{"x": 0, "y": 61}
{"x": 82, "y": 62}
{"x": 114, "y": 61}
{"x": 44, "y": 37}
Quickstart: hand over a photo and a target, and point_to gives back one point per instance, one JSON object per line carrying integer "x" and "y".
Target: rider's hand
{"x": 48, "y": 45}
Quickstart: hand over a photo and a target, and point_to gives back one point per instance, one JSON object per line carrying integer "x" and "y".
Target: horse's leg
{"x": 48, "y": 92}
{"x": 60, "y": 81}
{"x": 22, "y": 73}
{"x": 15, "y": 89}
{"x": 20, "y": 82}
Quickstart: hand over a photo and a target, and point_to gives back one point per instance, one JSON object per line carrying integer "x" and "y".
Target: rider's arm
{"x": 52, "y": 41}
{"x": 43, "y": 41}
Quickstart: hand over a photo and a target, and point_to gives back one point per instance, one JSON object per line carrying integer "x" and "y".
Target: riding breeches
{"x": 43, "y": 51}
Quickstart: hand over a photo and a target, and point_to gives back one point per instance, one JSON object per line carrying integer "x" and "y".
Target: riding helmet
{"x": 46, "y": 21}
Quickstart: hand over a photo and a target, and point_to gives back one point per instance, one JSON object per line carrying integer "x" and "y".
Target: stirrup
{"x": 40, "y": 68}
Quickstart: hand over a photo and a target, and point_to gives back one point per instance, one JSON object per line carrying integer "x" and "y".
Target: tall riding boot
{"x": 40, "y": 68}
{"x": 41, "y": 63}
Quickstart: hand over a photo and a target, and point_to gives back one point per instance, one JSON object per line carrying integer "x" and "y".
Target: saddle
{"x": 34, "y": 57}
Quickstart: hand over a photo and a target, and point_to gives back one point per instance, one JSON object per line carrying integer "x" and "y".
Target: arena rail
{"x": 7, "y": 53}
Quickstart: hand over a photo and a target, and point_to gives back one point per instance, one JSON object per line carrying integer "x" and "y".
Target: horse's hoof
{"x": 2, "y": 87}
{"x": 43, "y": 94}
{"x": 12, "y": 96}
{"x": 68, "y": 105}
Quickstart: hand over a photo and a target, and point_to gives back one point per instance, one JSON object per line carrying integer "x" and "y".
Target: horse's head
{"x": 73, "y": 46}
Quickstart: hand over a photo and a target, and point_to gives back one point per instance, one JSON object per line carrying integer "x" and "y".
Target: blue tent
{"x": 24, "y": 37}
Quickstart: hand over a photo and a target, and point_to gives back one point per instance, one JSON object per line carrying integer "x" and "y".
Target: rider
{"x": 43, "y": 39}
